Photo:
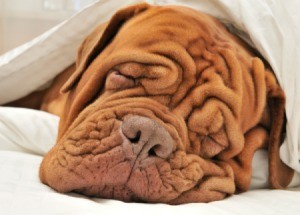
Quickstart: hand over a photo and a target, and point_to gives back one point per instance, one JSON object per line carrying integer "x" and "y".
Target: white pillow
{"x": 26, "y": 130}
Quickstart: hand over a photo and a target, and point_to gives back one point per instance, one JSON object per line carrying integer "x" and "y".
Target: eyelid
{"x": 118, "y": 72}
{"x": 131, "y": 70}
{"x": 116, "y": 81}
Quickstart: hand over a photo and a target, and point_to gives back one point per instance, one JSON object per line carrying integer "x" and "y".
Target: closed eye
{"x": 117, "y": 81}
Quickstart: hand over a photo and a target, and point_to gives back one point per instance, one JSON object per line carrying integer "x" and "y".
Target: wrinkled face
{"x": 166, "y": 114}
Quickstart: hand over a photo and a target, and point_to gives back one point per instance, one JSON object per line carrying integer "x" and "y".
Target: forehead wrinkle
{"x": 168, "y": 16}
{"x": 160, "y": 22}
{"x": 167, "y": 27}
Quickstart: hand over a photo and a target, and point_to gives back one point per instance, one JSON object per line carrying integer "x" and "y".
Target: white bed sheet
{"x": 26, "y": 135}
{"x": 22, "y": 193}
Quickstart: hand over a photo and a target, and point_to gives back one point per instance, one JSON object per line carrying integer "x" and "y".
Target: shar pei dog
{"x": 163, "y": 104}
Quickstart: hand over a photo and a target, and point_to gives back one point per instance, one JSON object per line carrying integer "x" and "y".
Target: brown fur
{"x": 186, "y": 72}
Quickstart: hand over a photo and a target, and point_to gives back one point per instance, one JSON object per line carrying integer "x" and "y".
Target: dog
{"x": 163, "y": 104}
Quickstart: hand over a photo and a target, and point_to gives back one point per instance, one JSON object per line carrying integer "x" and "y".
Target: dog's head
{"x": 158, "y": 109}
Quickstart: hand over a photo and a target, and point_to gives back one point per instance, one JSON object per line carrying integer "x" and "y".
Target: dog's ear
{"x": 280, "y": 175}
{"x": 81, "y": 92}
{"x": 99, "y": 39}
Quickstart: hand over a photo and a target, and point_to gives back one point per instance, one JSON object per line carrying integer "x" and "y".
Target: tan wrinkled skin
{"x": 186, "y": 72}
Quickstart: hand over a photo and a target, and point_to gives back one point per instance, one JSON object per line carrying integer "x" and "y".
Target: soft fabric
{"x": 22, "y": 192}
{"x": 27, "y": 130}
{"x": 58, "y": 45}
{"x": 272, "y": 27}
{"x": 21, "y": 189}
{"x": 166, "y": 105}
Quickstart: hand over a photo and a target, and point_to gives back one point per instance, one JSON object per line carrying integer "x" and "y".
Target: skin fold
{"x": 163, "y": 105}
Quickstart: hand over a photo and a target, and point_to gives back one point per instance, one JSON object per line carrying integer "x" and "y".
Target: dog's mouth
{"x": 128, "y": 153}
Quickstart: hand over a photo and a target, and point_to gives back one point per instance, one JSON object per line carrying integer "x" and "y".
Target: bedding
{"x": 12, "y": 72}
{"x": 21, "y": 191}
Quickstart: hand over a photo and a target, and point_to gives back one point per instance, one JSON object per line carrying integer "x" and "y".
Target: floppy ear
{"x": 280, "y": 175}
{"x": 99, "y": 39}
{"x": 82, "y": 91}
{"x": 268, "y": 132}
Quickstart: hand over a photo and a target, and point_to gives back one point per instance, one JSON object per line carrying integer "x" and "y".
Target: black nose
{"x": 148, "y": 137}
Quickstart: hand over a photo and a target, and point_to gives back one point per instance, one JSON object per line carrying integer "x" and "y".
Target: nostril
{"x": 136, "y": 138}
{"x": 159, "y": 150}
{"x": 148, "y": 138}
{"x": 151, "y": 152}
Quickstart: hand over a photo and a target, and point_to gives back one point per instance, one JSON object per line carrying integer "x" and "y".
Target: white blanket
{"x": 26, "y": 135}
